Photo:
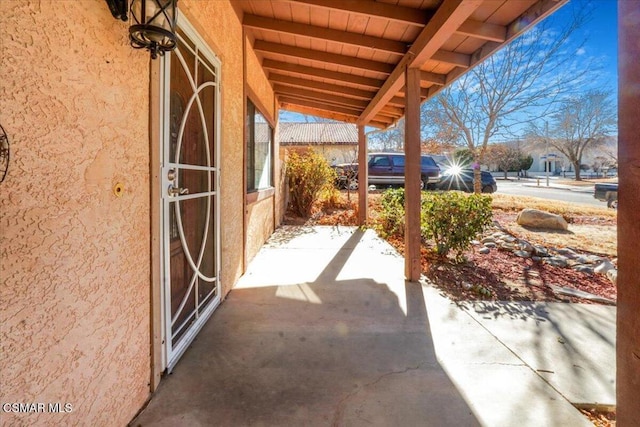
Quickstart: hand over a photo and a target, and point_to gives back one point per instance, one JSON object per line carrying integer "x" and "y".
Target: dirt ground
{"x": 501, "y": 275}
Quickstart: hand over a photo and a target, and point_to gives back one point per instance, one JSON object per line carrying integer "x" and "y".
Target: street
{"x": 579, "y": 195}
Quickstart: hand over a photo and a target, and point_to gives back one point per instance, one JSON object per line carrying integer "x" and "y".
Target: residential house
{"x": 337, "y": 142}
{"x": 139, "y": 189}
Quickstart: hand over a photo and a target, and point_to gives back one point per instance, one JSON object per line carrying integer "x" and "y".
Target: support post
{"x": 412, "y": 175}
{"x": 628, "y": 307}
{"x": 363, "y": 177}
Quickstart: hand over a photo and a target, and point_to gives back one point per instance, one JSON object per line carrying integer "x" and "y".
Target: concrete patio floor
{"x": 323, "y": 330}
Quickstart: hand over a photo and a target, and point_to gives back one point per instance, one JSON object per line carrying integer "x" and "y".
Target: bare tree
{"x": 581, "y": 123}
{"x": 504, "y": 157}
{"x": 518, "y": 84}
{"x": 391, "y": 139}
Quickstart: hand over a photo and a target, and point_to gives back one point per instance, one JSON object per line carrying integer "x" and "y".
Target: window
{"x": 398, "y": 161}
{"x": 380, "y": 161}
{"x": 259, "y": 147}
{"x": 427, "y": 161}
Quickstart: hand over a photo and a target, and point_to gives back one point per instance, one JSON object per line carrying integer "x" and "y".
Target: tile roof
{"x": 318, "y": 134}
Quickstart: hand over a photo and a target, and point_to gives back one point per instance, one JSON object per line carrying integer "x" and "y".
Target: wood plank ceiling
{"x": 345, "y": 59}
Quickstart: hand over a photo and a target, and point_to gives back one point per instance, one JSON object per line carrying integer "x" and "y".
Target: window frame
{"x": 253, "y": 192}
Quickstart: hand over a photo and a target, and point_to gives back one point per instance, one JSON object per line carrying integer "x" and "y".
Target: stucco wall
{"x": 260, "y": 215}
{"x": 74, "y": 258}
{"x": 259, "y": 225}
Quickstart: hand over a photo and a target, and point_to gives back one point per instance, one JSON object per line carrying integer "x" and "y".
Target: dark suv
{"x": 388, "y": 169}
{"x": 462, "y": 180}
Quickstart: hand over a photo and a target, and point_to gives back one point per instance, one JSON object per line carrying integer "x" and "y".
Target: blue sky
{"x": 600, "y": 32}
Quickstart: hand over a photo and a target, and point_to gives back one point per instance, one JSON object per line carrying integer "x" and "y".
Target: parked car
{"x": 462, "y": 180}
{"x": 387, "y": 169}
{"x": 607, "y": 192}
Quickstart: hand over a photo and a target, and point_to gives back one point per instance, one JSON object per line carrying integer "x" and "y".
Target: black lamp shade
{"x": 153, "y": 25}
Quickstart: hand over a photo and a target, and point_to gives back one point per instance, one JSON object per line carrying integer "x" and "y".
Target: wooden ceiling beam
{"x": 314, "y": 112}
{"x": 394, "y": 112}
{"x": 329, "y": 114}
{"x": 289, "y": 99}
{"x": 436, "y": 79}
{"x": 397, "y": 101}
{"x": 449, "y": 16}
{"x": 330, "y": 108}
{"x": 326, "y": 34}
{"x": 405, "y": 15}
{"x": 333, "y": 99}
{"x": 322, "y": 86}
{"x": 483, "y": 30}
{"x": 324, "y": 57}
{"x": 453, "y": 58}
{"x": 319, "y": 96}
{"x": 337, "y": 76}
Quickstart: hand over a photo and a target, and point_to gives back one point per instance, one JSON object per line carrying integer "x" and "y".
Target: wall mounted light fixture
{"x": 153, "y": 25}
{"x": 118, "y": 8}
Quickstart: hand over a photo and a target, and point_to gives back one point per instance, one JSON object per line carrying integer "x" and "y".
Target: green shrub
{"x": 391, "y": 217}
{"x": 308, "y": 174}
{"x": 453, "y": 219}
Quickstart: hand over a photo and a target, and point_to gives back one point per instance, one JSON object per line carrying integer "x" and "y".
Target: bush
{"x": 453, "y": 219}
{"x": 308, "y": 174}
{"x": 391, "y": 217}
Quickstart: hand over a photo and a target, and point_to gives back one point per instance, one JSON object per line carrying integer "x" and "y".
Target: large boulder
{"x": 541, "y": 219}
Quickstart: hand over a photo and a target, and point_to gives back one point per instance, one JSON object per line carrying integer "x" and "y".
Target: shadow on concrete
{"x": 347, "y": 348}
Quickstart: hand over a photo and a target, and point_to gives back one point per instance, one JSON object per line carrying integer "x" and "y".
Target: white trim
{"x": 197, "y": 319}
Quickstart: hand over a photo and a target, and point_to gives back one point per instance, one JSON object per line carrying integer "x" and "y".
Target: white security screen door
{"x": 190, "y": 191}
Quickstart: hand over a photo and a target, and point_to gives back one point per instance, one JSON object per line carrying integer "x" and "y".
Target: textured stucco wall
{"x": 74, "y": 258}
{"x": 219, "y": 25}
{"x": 260, "y": 215}
{"x": 257, "y": 81}
{"x": 259, "y": 225}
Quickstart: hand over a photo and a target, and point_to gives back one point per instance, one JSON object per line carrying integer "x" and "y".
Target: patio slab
{"x": 572, "y": 346}
{"x": 323, "y": 330}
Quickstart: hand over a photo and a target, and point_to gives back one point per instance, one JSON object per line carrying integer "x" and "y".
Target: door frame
{"x": 158, "y": 108}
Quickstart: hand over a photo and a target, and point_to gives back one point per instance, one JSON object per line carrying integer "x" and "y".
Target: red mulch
{"x": 506, "y": 276}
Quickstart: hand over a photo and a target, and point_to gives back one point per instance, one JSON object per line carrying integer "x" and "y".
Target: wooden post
{"x": 412, "y": 175}
{"x": 628, "y": 307}
{"x": 363, "y": 177}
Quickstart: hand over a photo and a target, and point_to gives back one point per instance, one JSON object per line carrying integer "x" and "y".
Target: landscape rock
{"x": 613, "y": 276}
{"x": 484, "y": 250}
{"x": 475, "y": 242}
{"x": 490, "y": 245}
{"x": 488, "y": 240}
{"x": 566, "y": 252}
{"x": 525, "y": 246}
{"x": 541, "y": 219}
{"x": 581, "y": 259}
{"x": 540, "y": 251}
{"x": 557, "y": 261}
{"x": 604, "y": 267}
{"x": 584, "y": 269}
{"x": 522, "y": 254}
{"x": 507, "y": 246}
